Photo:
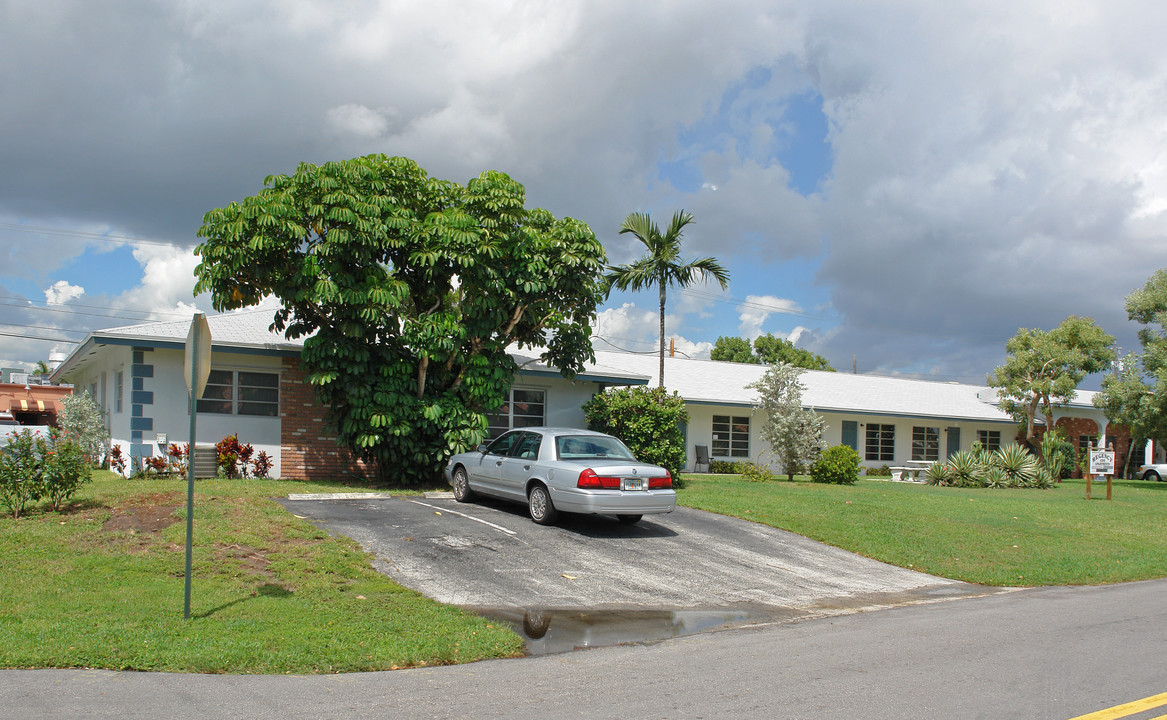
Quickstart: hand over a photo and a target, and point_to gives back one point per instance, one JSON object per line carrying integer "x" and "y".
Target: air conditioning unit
{"x": 18, "y": 378}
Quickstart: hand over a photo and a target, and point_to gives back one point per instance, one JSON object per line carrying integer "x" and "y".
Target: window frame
{"x": 987, "y": 441}
{"x": 881, "y": 437}
{"x": 736, "y": 444}
{"x": 925, "y": 443}
{"x": 494, "y": 428}
{"x": 231, "y": 400}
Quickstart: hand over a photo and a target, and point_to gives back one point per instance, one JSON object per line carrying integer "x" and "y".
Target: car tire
{"x": 539, "y": 504}
{"x": 629, "y": 519}
{"x": 1152, "y": 475}
{"x": 462, "y": 491}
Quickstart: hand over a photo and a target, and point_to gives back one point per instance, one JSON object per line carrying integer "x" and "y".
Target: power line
{"x": 38, "y": 337}
{"x": 123, "y": 239}
{"x": 44, "y": 327}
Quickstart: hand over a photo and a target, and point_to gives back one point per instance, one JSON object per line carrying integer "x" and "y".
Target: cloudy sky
{"x": 905, "y": 183}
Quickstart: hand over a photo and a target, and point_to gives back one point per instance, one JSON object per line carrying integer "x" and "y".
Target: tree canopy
{"x": 769, "y": 350}
{"x": 407, "y": 291}
{"x": 1044, "y": 368}
{"x": 1136, "y": 396}
{"x": 662, "y": 264}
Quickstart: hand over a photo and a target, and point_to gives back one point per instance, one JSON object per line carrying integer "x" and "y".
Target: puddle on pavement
{"x": 548, "y": 631}
{"x": 556, "y": 631}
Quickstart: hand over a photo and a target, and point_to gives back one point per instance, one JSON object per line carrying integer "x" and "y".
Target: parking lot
{"x": 490, "y": 555}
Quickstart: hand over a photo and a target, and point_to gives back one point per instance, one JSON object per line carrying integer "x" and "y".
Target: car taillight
{"x": 589, "y": 479}
{"x": 657, "y": 483}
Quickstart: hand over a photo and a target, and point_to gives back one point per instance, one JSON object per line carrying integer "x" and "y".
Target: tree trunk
{"x": 661, "y": 281}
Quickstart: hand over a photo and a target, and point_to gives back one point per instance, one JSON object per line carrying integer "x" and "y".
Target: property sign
{"x": 1101, "y": 462}
{"x": 196, "y": 365}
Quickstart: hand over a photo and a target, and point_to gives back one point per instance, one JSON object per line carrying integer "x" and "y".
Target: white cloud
{"x": 166, "y": 283}
{"x": 62, "y": 292}
{"x": 358, "y": 120}
{"x": 757, "y": 309}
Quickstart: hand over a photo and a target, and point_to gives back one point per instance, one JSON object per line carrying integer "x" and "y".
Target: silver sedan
{"x": 556, "y": 470}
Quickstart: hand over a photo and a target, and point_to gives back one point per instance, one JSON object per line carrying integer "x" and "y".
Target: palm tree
{"x": 662, "y": 265}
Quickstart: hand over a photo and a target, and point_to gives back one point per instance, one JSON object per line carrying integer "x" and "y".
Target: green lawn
{"x": 94, "y": 587}
{"x": 101, "y": 584}
{"x": 995, "y": 537}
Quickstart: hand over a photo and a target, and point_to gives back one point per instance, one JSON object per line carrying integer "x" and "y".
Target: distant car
{"x": 555, "y": 470}
{"x": 1154, "y": 471}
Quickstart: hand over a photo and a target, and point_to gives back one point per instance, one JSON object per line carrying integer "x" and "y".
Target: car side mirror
{"x": 482, "y": 448}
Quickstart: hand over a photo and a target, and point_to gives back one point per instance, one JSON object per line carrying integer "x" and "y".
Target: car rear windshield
{"x": 576, "y": 447}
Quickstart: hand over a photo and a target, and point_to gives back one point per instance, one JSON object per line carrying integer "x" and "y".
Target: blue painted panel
{"x": 135, "y": 436}
{"x": 143, "y": 371}
{"x": 140, "y": 451}
{"x": 851, "y": 434}
{"x": 136, "y": 411}
{"x": 142, "y": 397}
{"x": 142, "y": 423}
{"x": 138, "y": 384}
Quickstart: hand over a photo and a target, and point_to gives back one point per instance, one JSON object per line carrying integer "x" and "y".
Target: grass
{"x": 95, "y": 586}
{"x": 993, "y": 537}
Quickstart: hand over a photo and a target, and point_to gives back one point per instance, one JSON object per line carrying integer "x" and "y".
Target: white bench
{"x": 910, "y": 472}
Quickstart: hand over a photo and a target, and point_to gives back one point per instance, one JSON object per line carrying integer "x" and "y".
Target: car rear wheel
{"x": 629, "y": 519}
{"x": 1152, "y": 475}
{"x": 539, "y": 504}
{"x": 462, "y": 491}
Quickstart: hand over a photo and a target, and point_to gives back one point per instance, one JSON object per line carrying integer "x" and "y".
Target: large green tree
{"x": 1136, "y": 396}
{"x": 662, "y": 265}
{"x": 734, "y": 349}
{"x": 407, "y": 291}
{"x": 767, "y": 349}
{"x": 1044, "y": 368}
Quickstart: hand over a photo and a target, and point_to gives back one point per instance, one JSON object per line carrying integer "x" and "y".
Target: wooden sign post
{"x": 1101, "y": 463}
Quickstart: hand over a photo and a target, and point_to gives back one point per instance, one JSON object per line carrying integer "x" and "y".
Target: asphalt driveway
{"x": 490, "y": 555}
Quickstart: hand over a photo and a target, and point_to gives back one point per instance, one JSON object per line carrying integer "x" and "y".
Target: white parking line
{"x": 468, "y": 517}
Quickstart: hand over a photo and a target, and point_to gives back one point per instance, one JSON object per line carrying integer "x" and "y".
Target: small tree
{"x": 81, "y": 419}
{"x": 648, "y": 420}
{"x": 773, "y": 350}
{"x": 1043, "y": 368}
{"x": 794, "y": 433}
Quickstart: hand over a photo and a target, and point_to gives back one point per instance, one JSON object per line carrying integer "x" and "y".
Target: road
{"x": 1044, "y": 654}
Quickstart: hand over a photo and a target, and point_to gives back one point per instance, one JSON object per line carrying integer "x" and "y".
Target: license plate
{"x": 633, "y": 484}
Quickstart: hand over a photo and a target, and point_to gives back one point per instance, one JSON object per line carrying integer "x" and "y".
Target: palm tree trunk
{"x": 661, "y": 282}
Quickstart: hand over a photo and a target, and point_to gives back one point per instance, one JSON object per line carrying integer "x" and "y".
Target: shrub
{"x": 178, "y": 455}
{"x": 755, "y": 472}
{"x": 34, "y": 466}
{"x": 82, "y": 419}
{"x": 647, "y": 420}
{"x": 1058, "y": 454}
{"x": 262, "y": 465}
{"x": 881, "y": 471}
{"x": 723, "y": 467}
{"x": 65, "y": 468}
{"x": 22, "y": 471}
{"x": 837, "y": 464}
{"x": 1017, "y": 465}
{"x": 117, "y": 460}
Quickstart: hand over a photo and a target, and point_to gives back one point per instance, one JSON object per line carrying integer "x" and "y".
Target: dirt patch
{"x": 250, "y": 559}
{"x": 145, "y": 513}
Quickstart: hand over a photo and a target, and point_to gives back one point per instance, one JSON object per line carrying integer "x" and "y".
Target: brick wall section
{"x": 309, "y": 450}
{"x": 1076, "y": 427}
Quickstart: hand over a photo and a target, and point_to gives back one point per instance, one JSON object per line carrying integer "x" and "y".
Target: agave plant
{"x": 966, "y": 469}
{"x": 996, "y": 477}
{"x": 938, "y": 474}
{"x": 1017, "y": 464}
{"x": 1042, "y": 479}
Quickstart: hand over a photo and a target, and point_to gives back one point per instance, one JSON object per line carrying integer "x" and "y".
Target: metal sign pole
{"x": 190, "y": 471}
{"x": 196, "y": 369}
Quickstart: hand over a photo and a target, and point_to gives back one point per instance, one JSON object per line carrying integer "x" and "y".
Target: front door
{"x": 953, "y": 441}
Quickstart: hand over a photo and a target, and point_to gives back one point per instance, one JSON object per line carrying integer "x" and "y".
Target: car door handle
{"x": 526, "y": 467}
{"x": 498, "y": 464}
